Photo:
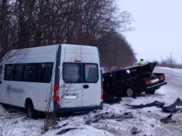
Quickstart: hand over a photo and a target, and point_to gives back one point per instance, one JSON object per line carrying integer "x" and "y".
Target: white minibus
{"x": 61, "y": 78}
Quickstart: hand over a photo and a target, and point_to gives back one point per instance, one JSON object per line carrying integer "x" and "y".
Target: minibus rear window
{"x": 72, "y": 72}
{"x": 91, "y": 73}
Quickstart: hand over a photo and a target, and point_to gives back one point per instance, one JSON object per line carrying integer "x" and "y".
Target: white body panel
{"x": 85, "y": 97}
{"x": 20, "y": 91}
{"x": 16, "y": 92}
{"x": 92, "y": 95}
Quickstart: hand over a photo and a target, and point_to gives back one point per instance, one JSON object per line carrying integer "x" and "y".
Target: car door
{"x": 118, "y": 83}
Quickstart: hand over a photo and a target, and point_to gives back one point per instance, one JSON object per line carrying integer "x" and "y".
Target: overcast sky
{"x": 158, "y": 28}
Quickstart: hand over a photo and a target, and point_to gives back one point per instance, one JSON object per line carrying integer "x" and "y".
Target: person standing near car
{"x": 142, "y": 62}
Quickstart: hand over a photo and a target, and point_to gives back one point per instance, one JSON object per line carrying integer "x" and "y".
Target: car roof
{"x": 149, "y": 67}
{"x": 124, "y": 68}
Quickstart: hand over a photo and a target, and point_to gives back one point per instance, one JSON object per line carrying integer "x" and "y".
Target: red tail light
{"x": 148, "y": 82}
{"x": 77, "y": 60}
{"x": 102, "y": 91}
{"x": 56, "y": 88}
{"x": 162, "y": 77}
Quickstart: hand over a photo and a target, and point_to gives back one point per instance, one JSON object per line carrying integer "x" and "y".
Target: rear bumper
{"x": 157, "y": 86}
{"x": 79, "y": 109}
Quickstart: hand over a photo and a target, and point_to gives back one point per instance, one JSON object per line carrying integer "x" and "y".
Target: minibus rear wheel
{"x": 31, "y": 113}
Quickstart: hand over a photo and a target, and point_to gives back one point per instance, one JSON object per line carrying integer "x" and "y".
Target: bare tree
{"x": 34, "y": 23}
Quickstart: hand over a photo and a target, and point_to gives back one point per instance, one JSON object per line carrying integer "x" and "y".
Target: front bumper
{"x": 157, "y": 86}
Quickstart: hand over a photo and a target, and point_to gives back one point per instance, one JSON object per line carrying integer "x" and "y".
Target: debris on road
{"x": 175, "y": 107}
{"x": 103, "y": 116}
{"x": 58, "y": 127}
{"x": 65, "y": 130}
{"x": 155, "y": 103}
{"x": 135, "y": 130}
{"x": 168, "y": 119}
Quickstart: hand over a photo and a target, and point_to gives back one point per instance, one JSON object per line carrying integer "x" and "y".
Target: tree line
{"x": 100, "y": 23}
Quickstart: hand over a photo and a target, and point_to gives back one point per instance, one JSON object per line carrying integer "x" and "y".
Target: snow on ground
{"x": 147, "y": 119}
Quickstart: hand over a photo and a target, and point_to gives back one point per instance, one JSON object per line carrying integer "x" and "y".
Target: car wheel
{"x": 31, "y": 113}
{"x": 150, "y": 92}
{"x": 130, "y": 93}
{"x": 5, "y": 106}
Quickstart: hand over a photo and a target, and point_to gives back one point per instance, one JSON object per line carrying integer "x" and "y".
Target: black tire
{"x": 150, "y": 92}
{"x": 31, "y": 113}
{"x": 130, "y": 93}
{"x": 5, "y": 106}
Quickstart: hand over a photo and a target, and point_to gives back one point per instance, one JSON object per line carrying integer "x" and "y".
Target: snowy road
{"x": 147, "y": 120}
{"x": 174, "y": 79}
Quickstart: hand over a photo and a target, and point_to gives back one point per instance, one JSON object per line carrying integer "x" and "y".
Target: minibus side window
{"x": 9, "y": 72}
{"x": 45, "y": 72}
{"x": 19, "y": 72}
{"x": 30, "y": 73}
{"x": 72, "y": 72}
{"x": 91, "y": 73}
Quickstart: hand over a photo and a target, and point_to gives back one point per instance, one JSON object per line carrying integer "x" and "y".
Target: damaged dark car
{"x": 132, "y": 81}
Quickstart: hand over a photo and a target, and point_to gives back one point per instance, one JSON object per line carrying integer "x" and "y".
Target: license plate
{"x": 154, "y": 80}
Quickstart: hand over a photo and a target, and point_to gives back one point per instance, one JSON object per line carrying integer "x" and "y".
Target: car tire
{"x": 150, "y": 92}
{"x": 5, "y": 106}
{"x": 31, "y": 113}
{"x": 130, "y": 93}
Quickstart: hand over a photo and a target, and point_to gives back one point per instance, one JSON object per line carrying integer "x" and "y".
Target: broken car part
{"x": 135, "y": 130}
{"x": 175, "y": 107}
{"x": 65, "y": 130}
{"x": 155, "y": 103}
{"x": 168, "y": 119}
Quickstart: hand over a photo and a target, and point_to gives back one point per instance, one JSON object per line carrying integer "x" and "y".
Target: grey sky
{"x": 158, "y": 28}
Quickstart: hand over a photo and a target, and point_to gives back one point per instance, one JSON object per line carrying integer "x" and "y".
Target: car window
{"x": 125, "y": 74}
{"x": 117, "y": 76}
{"x": 133, "y": 72}
{"x": 91, "y": 73}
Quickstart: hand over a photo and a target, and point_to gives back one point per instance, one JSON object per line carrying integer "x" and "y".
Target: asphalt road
{"x": 173, "y": 89}
{"x": 173, "y": 77}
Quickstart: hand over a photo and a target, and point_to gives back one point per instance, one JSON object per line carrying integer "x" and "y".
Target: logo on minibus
{"x": 15, "y": 90}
